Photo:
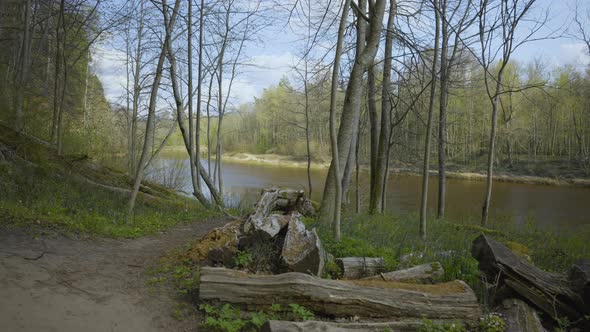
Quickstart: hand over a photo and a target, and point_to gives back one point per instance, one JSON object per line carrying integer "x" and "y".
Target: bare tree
{"x": 498, "y": 26}
{"x": 351, "y": 110}
{"x": 148, "y": 142}
{"x": 386, "y": 108}
{"x": 428, "y": 137}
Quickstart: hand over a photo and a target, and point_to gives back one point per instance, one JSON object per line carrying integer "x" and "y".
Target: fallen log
{"x": 550, "y": 292}
{"x": 579, "y": 277}
{"x": 519, "y": 316}
{"x": 421, "y": 274}
{"x": 448, "y": 301}
{"x": 360, "y": 267}
{"x": 320, "y": 326}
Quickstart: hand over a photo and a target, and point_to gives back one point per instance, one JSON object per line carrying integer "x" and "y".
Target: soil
{"x": 56, "y": 283}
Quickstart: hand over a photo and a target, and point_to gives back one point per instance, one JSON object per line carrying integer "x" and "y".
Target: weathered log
{"x": 285, "y": 200}
{"x": 519, "y": 316}
{"x": 550, "y": 292}
{"x": 421, "y": 274}
{"x": 320, "y": 326}
{"x": 579, "y": 277}
{"x": 302, "y": 249}
{"x": 360, "y": 267}
{"x": 448, "y": 301}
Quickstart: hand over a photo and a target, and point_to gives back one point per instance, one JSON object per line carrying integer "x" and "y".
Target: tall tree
{"x": 428, "y": 137}
{"x": 351, "y": 109}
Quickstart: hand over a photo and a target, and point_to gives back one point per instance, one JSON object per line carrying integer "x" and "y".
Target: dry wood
{"x": 285, "y": 200}
{"x": 519, "y": 316}
{"x": 359, "y": 267}
{"x": 422, "y": 274}
{"x": 388, "y": 300}
{"x": 550, "y": 292}
{"x": 317, "y": 326}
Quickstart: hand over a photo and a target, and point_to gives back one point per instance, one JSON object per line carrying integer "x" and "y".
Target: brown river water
{"x": 554, "y": 208}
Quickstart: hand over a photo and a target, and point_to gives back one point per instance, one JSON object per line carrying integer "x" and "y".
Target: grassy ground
{"x": 43, "y": 191}
{"x": 396, "y": 239}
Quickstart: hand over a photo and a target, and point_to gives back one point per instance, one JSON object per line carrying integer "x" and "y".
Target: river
{"x": 553, "y": 208}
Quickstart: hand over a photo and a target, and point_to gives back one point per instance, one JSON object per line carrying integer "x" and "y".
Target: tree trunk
{"x": 406, "y": 325}
{"x": 350, "y": 111}
{"x": 442, "y": 123}
{"x": 450, "y": 301}
{"x": 374, "y": 134}
{"x": 551, "y": 292}
{"x": 152, "y": 106}
{"x": 24, "y": 68}
{"x": 428, "y": 138}
{"x": 382, "y": 162}
{"x": 422, "y": 274}
{"x": 360, "y": 267}
{"x": 333, "y": 210}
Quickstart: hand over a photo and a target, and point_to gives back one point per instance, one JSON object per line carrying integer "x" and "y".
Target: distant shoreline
{"x": 287, "y": 161}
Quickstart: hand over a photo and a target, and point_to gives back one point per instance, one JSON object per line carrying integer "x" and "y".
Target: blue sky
{"x": 273, "y": 59}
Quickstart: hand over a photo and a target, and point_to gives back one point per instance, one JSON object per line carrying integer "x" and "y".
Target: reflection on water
{"x": 552, "y": 207}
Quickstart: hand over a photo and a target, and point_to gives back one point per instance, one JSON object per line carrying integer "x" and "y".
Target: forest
{"x": 157, "y": 120}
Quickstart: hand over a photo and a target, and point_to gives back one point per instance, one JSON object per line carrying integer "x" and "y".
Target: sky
{"x": 274, "y": 59}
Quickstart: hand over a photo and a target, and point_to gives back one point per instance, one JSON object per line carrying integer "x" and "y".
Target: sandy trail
{"x": 87, "y": 285}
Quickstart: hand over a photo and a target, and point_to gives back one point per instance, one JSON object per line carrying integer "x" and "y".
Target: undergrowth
{"x": 42, "y": 199}
{"x": 396, "y": 239}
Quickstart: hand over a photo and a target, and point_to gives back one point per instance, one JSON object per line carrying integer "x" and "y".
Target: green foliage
{"x": 243, "y": 259}
{"x": 332, "y": 271}
{"x": 396, "y": 239}
{"x": 300, "y": 312}
{"x": 563, "y": 324}
{"x": 186, "y": 278}
{"x": 430, "y": 326}
{"x": 492, "y": 322}
{"x": 44, "y": 198}
{"x": 230, "y": 319}
{"x": 225, "y": 318}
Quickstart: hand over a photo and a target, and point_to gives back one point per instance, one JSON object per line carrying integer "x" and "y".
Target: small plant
{"x": 229, "y": 319}
{"x": 185, "y": 279}
{"x": 243, "y": 259}
{"x": 225, "y": 318}
{"x": 430, "y": 326}
{"x": 492, "y": 322}
{"x": 301, "y": 312}
{"x": 563, "y": 324}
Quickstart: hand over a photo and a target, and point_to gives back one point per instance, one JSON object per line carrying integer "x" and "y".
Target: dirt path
{"x": 87, "y": 285}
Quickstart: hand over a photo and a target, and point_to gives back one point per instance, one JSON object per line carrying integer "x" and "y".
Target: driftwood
{"x": 359, "y": 267}
{"x": 421, "y": 274}
{"x": 519, "y": 316}
{"x": 550, "y": 292}
{"x": 449, "y": 301}
{"x": 320, "y": 326}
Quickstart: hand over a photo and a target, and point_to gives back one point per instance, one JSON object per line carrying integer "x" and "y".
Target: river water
{"x": 553, "y": 208}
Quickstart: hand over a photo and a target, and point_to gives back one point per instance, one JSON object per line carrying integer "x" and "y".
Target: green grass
{"x": 396, "y": 239}
{"x": 41, "y": 199}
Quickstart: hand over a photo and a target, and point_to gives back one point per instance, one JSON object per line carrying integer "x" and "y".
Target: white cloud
{"x": 110, "y": 68}
{"x": 260, "y": 72}
{"x": 575, "y": 54}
